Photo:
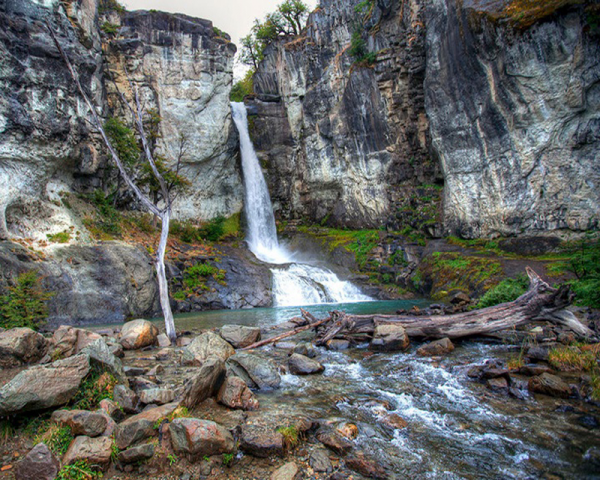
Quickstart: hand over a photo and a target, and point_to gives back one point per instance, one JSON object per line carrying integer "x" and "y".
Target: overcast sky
{"x": 235, "y": 17}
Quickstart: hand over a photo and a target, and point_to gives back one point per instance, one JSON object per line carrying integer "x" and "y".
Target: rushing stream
{"x": 293, "y": 283}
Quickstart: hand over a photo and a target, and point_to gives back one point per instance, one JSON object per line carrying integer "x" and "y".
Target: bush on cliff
{"x": 25, "y": 303}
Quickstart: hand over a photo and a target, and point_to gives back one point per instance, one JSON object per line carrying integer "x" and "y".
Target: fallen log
{"x": 540, "y": 302}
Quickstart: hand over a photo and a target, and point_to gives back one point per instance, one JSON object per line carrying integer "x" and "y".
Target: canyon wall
{"x": 505, "y": 118}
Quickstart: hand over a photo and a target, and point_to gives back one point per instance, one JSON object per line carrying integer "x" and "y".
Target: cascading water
{"x": 293, "y": 283}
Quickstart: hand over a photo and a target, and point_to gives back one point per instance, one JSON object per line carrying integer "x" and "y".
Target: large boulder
{"x": 21, "y": 346}
{"x": 257, "y": 372}
{"x": 101, "y": 356}
{"x": 69, "y": 341}
{"x": 94, "y": 451}
{"x": 81, "y": 422}
{"x": 301, "y": 365}
{"x": 44, "y": 386}
{"x": 139, "y": 453}
{"x": 549, "y": 384}
{"x": 438, "y": 347}
{"x": 205, "y": 383}
{"x": 261, "y": 441}
{"x": 207, "y": 345}
{"x": 141, "y": 426}
{"x": 138, "y": 334}
{"x": 198, "y": 438}
{"x": 240, "y": 336}
{"x": 234, "y": 393}
{"x": 389, "y": 338}
{"x": 40, "y": 463}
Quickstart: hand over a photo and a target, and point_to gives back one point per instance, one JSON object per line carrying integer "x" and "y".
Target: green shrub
{"x": 95, "y": 387}
{"x": 60, "y": 237}
{"x": 214, "y": 229}
{"x": 80, "y": 470}
{"x": 57, "y": 439}
{"x": 243, "y": 87}
{"x": 180, "y": 296}
{"x": 108, "y": 219}
{"x": 196, "y": 275}
{"x": 25, "y": 303}
{"x": 506, "y": 291}
{"x": 109, "y": 28}
{"x": 584, "y": 263}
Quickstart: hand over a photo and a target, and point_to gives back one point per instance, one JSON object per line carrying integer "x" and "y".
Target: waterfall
{"x": 293, "y": 283}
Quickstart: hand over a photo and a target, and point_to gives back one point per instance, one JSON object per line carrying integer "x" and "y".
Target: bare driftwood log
{"x": 540, "y": 302}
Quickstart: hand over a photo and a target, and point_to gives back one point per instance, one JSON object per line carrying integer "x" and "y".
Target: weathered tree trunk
{"x": 161, "y": 275}
{"x": 540, "y": 302}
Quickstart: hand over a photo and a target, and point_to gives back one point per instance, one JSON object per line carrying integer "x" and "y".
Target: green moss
{"x": 506, "y": 291}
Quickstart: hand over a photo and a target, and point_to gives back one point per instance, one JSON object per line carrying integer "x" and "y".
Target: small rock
{"x": 69, "y": 341}
{"x": 496, "y": 372}
{"x": 460, "y": 299}
{"x": 198, "y": 438}
{"x": 319, "y": 461}
{"x": 141, "y": 426}
{"x": 209, "y": 345}
{"x": 261, "y": 441}
{"x": 157, "y": 396}
{"x": 389, "y": 338}
{"x": 301, "y": 365}
{"x": 44, "y": 386}
{"x": 21, "y": 346}
{"x": 234, "y": 393}
{"x": 306, "y": 349}
{"x": 347, "y": 430}
{"x": 337, "y": 344}
{"x": 137, "y": 454}
{"x": 163, "y": 340}
{"x": 538, "y": 354}
{"x": 240, "y": 336}
{"x": 81, "y": 422}
{"x": 289, "y": 471}
{"x": 138, "y": 334}
{"x": 112, "y": 409}
{"x": 438, "y": 347}
{"x": 255, "y": 371}
{"x": 535, "y": 369}
{"x": 499, "y": 385}
{"x": 394, "y": 420}
{"x": 206, "y": 383}
{"x": 126, "y": 398}
{"x": 183, "y": 341}
{"x": 134, "y": 371}
{"x": 101, "y": 356}
{"x": 549, "y": 384}
{"x": 334, "y": 441}
{"x": 95, "y": 451}
{"x": 366, "y": 466}
{"x": 39, "y": 464}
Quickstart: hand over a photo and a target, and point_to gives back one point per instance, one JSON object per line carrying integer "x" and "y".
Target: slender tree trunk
{"x": 161, "y": 275}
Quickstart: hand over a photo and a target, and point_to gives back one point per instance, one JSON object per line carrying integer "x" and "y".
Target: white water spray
{"x": 294, "y": 283}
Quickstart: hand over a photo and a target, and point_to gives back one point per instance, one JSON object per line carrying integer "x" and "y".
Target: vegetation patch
{"x": 291, "y": 436}
{"x": 575, "y": 357}
{"x": 25, "y": 305}
{"x": 507, "y": 290}
{"x": 56, "y": 438}
{"x": 79, "y": 470}
{"x": 95, "y": 387}
{"x": 60, "y": 237}
{"x": 525, "y": 13}
{"x": 243, "y": 87}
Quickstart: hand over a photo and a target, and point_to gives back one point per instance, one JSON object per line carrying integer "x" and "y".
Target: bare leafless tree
{"x": 164, "y": 211}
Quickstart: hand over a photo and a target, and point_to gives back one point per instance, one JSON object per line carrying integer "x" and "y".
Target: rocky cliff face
{"x": 509, "y": 116}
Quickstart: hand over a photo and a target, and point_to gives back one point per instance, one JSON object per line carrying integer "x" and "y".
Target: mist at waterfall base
{"x": 294, "y": 283}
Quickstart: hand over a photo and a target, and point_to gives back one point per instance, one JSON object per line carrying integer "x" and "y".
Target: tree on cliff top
{"x": 162, "y": 211}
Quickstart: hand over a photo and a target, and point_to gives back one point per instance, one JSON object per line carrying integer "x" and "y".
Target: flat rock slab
{"x": 21, "y": 346}
{"x": 240, "y": 336}
{"x": 44, "y": 386}
{"x": 257, "y": 372}
{"x": 261, "y": 441}
{"x": 289, "y": 471}
{"x": 94, "y": 451}
{"x": 138, "y": 334}
{"x": 141, "y": 426}
{"x": 39, "y": 464}
{"x": 197, "y": 438}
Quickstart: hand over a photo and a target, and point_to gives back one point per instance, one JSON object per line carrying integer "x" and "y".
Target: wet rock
{"x": 365, "y": 466}
{"x": 134, "y": 371}
{"x": 69, "y": 341}
{"x": 126, "y": 398}
{"x": 301, "y": 365}
{"x": 347, "y": 430}
{"x": 240, "y": 336}
{"x": 39, "y": 464}
{"x": 198, "y": 438}
{"x": 306, "y": 349}
{"x": 389, "y": 338}
{"x": 138, "y": 453}
{"x": 138, "y": 334}
{"x": 209, "y": 345}
{"x": 549, "y": 384}
{"x": 234, "y": 393}
{"x": 257, "y": 372}
{"x": 142, "y": 383}
{"x": 516, "y": 393}
{"x": 261, "y": 441}
{"x": 81, "y": 422}
{"x": 495, "y": 372}
{"x": 206, "y": 383}
{"x": 438, "y": 347}
{"x": 534, "y": 369}
{"x": 592, "y": 457}
{"x": 334, "y": 441}
{"x": 320, "y": 462}
{"x": 337, "y": 344}
{"x": 498, "y": 384}
{"x": 94, "y": 451}
{"x": 393, "y": 420}
{"x": 163, "y": 341}
{"x": 289, "y": 471}
{"x": 101, "y": 356}
{"x": 588, "y": 421}
{"x": 21, "y": 346}
{"x": 112, "y": 409}
{"x": 538, "y": 354}
{"x": 475, "y": 371}
{"x": 157, "y": 396}
{"x": 44, "y": 386}
{"x": 141, "y": 426}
